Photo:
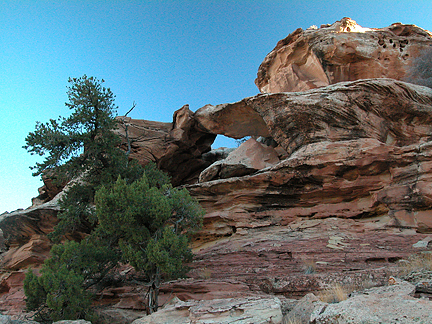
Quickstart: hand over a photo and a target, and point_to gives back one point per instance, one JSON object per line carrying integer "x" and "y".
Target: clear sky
{"x": 160, "y": 54}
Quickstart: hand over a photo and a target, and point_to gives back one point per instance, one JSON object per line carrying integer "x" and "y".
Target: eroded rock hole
{"x": 238, "y": 158}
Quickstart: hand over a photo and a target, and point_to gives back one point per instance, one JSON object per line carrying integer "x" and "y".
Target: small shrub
{"x": 292, "y": 320}
{"x": 416, "y": 262}
{"x": 335, "y": 293}
{"x": 205, "y": 274}
{"x": 310, "y": 266}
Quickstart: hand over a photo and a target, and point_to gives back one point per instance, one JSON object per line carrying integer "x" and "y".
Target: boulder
{"x": 343, "y": 51}
{"x": 221, "y": 311}
{"x": 302, "y": 311}
{"x": 218, "y": 154}
{"x": 248, "y": 158}
{"x": 388, "y": 304}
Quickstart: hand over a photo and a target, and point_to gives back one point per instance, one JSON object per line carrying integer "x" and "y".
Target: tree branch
{"x": 126, "y": 129}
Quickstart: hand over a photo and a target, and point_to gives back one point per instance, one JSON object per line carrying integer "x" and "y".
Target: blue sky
{"x": 160, "y": 54}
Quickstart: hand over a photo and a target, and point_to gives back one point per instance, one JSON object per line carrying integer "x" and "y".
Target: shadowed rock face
{"x": 175, "y": 147}
{"x": 25, "y": 234}
{"x": 343, "y": 51}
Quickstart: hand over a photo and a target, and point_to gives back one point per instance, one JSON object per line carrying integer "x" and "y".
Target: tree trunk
{"x": 154, "y": 293}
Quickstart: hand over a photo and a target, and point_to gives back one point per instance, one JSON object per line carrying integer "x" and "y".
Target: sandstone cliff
{"x": 333, "y": 186}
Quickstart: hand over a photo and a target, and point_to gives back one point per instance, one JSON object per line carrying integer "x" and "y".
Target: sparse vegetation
{"x": 128, "y": 213}
{"x": 292, "y": 320}
{"x": 416, "y": 262}
{"x": 310, "y": 266}
{"x": 335, "y": 293}
{"x": 205, "y": 274}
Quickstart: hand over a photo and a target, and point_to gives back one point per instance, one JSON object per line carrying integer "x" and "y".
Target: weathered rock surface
{"x": 6, "y": 319}
{"x": 388, "y": 304}
{"x": 221, "y": 311}
{"x": 339, "y": 190}
{"x": 343, "y": 51}
{"x": 303, "y": 310}
{"x": 175, "y": 147}
{"x": 25, "y": 234}
{"x": 249, "y": 157}
{"x": 236, "y": 121}
{"x": 73, "y": 322}
{"x": 392, "y": 112}
{"x": 357, "y": 149}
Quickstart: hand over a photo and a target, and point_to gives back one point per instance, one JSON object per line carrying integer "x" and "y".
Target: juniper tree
{"x": 83, "y": 147}
{"x": 151, "y": 222}
{"x": 62, "y": 291}
{"x": 140, "y": 218}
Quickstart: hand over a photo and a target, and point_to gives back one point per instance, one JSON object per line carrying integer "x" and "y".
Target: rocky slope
{"x": 333, "y": 186}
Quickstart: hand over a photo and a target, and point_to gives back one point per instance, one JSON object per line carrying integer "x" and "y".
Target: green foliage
{"x": 83, "y": 141}
{"x": 168, "y": 252}
{"x": 82, "y": 147}
{"x": 143, "y": 217}
{"x": 34, "y": 291}
{"x": 151, "y": 225}
{"x": 62, "y": 290}
{"x": 131, "y": 214}
{"x": 420, "y": 71}
{"x": 76, "y": 213}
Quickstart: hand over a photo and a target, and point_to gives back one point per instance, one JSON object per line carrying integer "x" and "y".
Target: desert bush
{"x": 416, "y": 262}
{"x": 310, "y": 266}
{"x": 335, "y": 293}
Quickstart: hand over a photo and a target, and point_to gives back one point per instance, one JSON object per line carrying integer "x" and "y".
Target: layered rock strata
{"x": 356, "y": 150}
{"x": 333, "y": 186}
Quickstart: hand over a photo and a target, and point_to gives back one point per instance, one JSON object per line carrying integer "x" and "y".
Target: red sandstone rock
{"x": 343, "y": 51}
{"x": 25, "y": 235}
{"x": 248, "y": 158}
{"x": 353, "y": 154}
{"x": 350, "y": 196}
{"x": 396, "y": 113}
{"x": 175, "y": 147}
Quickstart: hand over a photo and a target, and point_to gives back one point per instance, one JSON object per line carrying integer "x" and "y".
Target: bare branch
{"x": 126, "y": 129}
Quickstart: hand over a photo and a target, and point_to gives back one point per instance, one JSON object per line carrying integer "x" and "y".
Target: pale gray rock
{"x": 5, "y": 319}
{"x": 73, "y": 322}
{"x": 302, "y": 311}
{"x": 388, "y": 304}
{"x": 222, "y": 311}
